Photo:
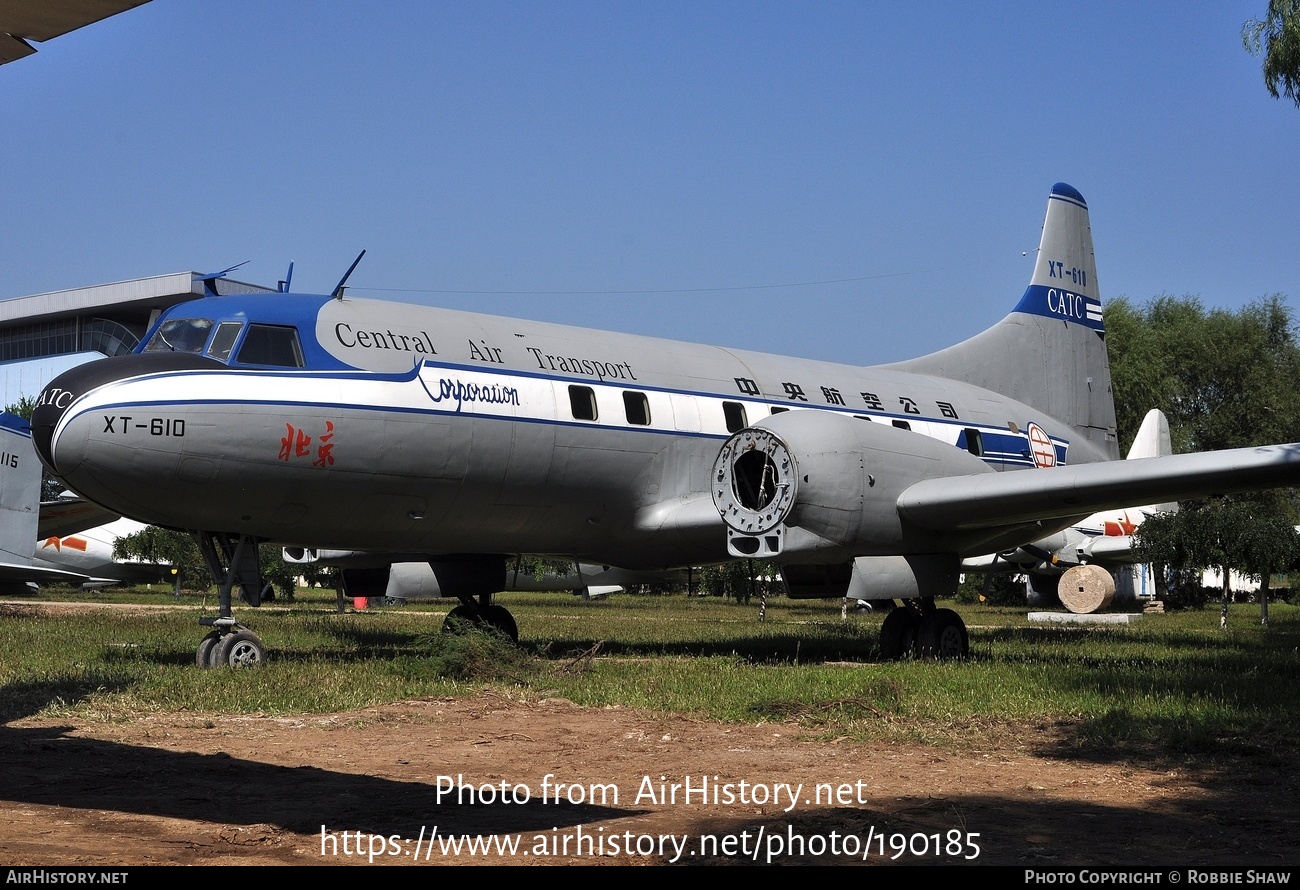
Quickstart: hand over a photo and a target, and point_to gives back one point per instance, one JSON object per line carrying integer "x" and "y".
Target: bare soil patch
{"x": 214, "y": 789}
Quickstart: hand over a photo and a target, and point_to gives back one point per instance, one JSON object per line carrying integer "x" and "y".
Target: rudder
{"x": 20, "y": 490}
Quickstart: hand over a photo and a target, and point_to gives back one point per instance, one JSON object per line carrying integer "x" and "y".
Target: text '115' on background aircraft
{"x": 461, "y": 440}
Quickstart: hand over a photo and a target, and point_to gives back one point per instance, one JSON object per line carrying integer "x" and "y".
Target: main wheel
{"x": 500, "y": 618}
{"x": 460, "y": 619}
{"x": 942, "y": 636}
{"x": 243, "y": 648}
{"x": 898, "y": 635}
{"x": 207, "y": 648}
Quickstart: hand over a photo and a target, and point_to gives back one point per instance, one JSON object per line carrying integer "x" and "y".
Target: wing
{"x": 22, "y": 21}
{"x": 12, "y": 571}
{"x": 67, "y": 516}
{"x": 991, "y": 500}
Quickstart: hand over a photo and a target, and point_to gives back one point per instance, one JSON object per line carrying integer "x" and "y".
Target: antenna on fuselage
{"x": 210, "y": 280}
{"x": 337, "y": 293}
{"x": 283, "y": 286}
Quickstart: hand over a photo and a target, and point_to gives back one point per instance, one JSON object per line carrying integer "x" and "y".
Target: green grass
{"x": 1171, "y": 684}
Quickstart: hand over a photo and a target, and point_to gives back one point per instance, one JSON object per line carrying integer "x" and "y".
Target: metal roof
{"x": 139, "y": 295}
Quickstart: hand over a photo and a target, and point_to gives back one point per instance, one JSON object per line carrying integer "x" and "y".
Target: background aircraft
{"x": 20, "y": 510}
{"x": 396, "y": 578}
{"x": 464, "y": 439}
{"x": 1103, "y": 540}
{"x": 370, "y": 575}
{"x": 65, "y": 540}
{"x": 90, "y": 553}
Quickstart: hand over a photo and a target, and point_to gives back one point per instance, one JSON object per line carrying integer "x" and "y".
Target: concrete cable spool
{"x": 1087, "y": 589}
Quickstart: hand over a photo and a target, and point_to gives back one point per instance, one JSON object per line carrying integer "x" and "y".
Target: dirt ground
{"x": 180, "y": 789}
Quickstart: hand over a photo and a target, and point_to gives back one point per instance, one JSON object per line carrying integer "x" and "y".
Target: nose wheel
{"x": 207, "y": 648}
{"x": 238, "y": 647}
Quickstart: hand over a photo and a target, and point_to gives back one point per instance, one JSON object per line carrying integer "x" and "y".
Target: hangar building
{"x": 45, "y": 334}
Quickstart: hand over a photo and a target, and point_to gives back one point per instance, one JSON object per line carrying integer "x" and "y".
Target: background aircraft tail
{"x": 20, "y": 490}
{"x": 1050, "y": 352}
{"x": 1153, "y": 440}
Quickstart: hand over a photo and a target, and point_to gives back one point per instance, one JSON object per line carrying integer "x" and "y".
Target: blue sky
{"x": 848, "y": 181}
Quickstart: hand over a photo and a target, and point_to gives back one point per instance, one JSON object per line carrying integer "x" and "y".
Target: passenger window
{"x": 777, "y": 409}
{"x": 735, "y": 414}
{"x": 974, "y": 442}
{"x": 180, "y": 335}
{"x": 902, "y": 424}
{"x": 273, "y": 345}
{"x": 582, "y": 401}
{"x": 224, "y": 340}
{"x": 637, "y": 408}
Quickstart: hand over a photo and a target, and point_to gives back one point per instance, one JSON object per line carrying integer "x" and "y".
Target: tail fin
{"x": 1050, "y": 352}
{"x": 1152, "y": 440}
{"x": 20, "y": 490}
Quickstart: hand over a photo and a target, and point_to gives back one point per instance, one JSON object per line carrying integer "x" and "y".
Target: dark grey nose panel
{"x": 68, "y": 386}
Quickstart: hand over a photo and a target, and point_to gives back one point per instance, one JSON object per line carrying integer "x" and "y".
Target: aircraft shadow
{"x": 1234, "y": 825}
{"x": 105, "y": 775}
{"x": 780, "y": 649}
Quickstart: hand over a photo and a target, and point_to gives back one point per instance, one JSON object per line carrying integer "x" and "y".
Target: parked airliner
{"x": 461, "y": 439}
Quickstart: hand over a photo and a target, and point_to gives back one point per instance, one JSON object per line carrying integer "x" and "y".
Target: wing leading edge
{"x": 23, "y": 21}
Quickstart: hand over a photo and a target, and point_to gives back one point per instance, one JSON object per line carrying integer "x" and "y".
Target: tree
{"x": 164, "y": 546}
{"x": 1224, "y": 380}
{"x": 1225, "y": 534}
{"x": 51, "y": 487}
{"x": 739, "y": 579}
{"x": 1277, "y": 39}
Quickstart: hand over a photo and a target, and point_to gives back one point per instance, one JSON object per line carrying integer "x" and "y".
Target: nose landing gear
{"x": 232, "y": 560}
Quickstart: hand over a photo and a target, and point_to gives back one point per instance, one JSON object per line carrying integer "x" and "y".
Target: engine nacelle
{"x": 834, "y": 475}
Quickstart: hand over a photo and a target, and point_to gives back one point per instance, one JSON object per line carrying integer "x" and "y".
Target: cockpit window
{"x": 180, "y": 335}
{"x": 275, "y": 345}
{"x": 224, "y": 340}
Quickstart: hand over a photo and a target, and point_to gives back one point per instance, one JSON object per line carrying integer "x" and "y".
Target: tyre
{"x": 942, "y": 636}
{"x": 240, "y": 649}
{"x": 207, "y": 648}
{"x": 898, "y": 635}
{"x": 500, "y": 618}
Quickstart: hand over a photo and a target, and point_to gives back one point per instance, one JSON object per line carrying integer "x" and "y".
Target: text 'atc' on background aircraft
{"x": 461, "y": 440}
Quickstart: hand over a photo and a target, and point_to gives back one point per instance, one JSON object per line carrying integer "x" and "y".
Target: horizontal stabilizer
{"x": 1109, "y": 549}
{"x": 68, "y": 516}
{"x": 12, "y": 571}
{"x": 997, "y": 499}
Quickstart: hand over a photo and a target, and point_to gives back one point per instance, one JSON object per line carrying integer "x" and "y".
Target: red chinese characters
{"x": 296, "y": 443}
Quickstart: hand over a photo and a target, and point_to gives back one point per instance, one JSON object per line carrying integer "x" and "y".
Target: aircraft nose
{"x": 64, "y": 390}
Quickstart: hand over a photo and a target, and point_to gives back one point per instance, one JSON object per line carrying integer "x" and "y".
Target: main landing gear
{"x": 481, "y": 613}
{"x": 232, "y": 560}
{"x": 920, "y": 630}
